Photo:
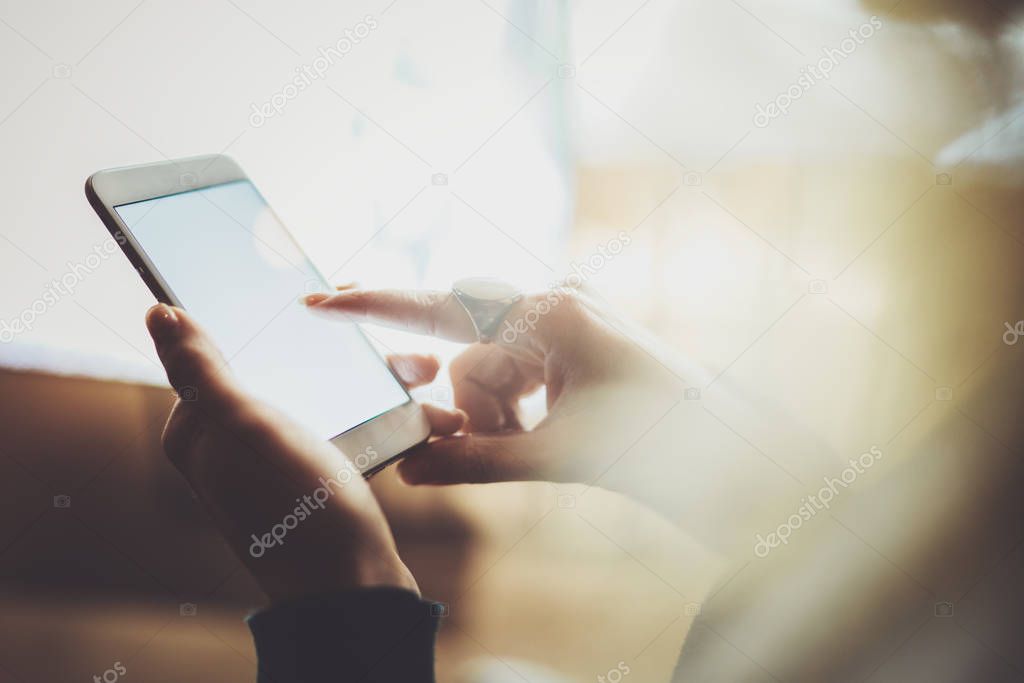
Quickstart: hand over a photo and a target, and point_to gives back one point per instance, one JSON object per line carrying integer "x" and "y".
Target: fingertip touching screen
{"x": 230, "y": 262}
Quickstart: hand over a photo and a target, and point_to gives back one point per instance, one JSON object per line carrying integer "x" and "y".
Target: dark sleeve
{"x": 373, "y": 635}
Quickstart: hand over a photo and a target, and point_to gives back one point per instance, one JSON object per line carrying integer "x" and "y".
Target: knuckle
{"x": 359, "y": 301}
{"x": 424, "y": 368}
{"x": 182, "y": 432}
{"x": 434, "y": 308}
{"x": 474, "y": 461}
{"x": 461, "y": 365}
{"x": 185, "y": 361}
{"x": 569, "y": 309}
{"x": 572, "y": 301}
{"x": 510, "y": 455}
{"x": 189, "y": 425}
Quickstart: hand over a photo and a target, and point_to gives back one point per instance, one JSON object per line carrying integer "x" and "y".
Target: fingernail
{"x": 313, "y": 299}
{"x": 161, "y": 321}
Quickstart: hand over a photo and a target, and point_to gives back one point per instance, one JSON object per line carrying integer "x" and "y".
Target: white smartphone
{"x": 203, "y": 238}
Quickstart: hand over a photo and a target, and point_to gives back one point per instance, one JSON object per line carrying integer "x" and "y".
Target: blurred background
{"x": 824, "y": 210}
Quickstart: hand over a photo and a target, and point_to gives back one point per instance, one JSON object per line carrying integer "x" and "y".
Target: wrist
{"x": 319, "y": 576}
{"x": 392, "y": 574}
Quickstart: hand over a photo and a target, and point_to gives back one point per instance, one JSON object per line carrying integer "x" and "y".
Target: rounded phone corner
{"x": 384, "y": 440}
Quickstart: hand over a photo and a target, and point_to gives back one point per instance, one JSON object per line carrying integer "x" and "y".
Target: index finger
{"x": 438, "y": 314}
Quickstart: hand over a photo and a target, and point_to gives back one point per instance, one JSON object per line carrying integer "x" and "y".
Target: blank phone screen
{"x": 230, "y": 262}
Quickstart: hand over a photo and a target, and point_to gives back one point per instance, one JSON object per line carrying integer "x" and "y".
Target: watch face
{"x": 485, "y": 289}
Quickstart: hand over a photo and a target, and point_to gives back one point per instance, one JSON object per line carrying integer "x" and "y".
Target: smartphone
{"x": 203, "y": 238}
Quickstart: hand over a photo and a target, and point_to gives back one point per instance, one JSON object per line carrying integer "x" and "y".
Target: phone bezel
{"x": 389, "y": 434}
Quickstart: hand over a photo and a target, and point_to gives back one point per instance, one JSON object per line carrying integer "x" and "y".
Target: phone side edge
{"x": 120, "y": 234}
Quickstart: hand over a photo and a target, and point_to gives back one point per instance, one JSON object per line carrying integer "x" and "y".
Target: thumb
{"x": 474, "y": 459}
{"x": 195, "y": 367}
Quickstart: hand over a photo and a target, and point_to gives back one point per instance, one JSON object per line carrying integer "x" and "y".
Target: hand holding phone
{"x": 204, "y": 239}
{"x": 295, "y": 510}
